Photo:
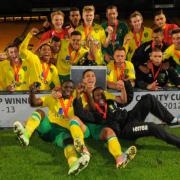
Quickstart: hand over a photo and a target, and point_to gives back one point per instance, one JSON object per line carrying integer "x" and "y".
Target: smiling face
{"x": 67, "y": 89}
{"x": 88, "y": 17}
{"x": 75, "y": 41}
{"x": 89, "y": 79}
{"x": 57, "y": 21}
{"x": 45, "y": 53}
{"x": 160, "y": 20}
{"x": 13, "y": 54}
{"x": 99, "y": 96}
{"x": 136, "y": 23}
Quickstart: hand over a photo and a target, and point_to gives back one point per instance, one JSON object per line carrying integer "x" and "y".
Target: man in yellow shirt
{"x": 119, "y": 69}
{"x": 70, "y": 54}
{"x": 14, "y": 71}
{"x": 172, "y": 53}
{"x": 58, "y": 126}
{"x": 138, "y": 34}
{"x": 93, "y": 35}
{"x": 42, "y": 70}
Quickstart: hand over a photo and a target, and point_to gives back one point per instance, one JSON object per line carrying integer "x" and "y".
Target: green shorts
{"x": 95, "y": 130}
{"x": 53, "y": 133}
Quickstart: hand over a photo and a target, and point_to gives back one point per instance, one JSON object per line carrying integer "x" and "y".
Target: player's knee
{"x": 67, "y": 141}
{"x": 41, "y": 112}
{"x": 108, "y": 132}
{"x": 148, "y": 99}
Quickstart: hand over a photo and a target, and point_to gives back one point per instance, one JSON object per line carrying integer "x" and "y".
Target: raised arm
{"x": 23, "y": 49}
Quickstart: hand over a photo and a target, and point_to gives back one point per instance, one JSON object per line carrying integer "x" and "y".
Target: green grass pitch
{"x": 155, "y": 160}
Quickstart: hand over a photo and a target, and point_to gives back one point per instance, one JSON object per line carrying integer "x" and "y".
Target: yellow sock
{"x": 70, "y": 154}
{"x": 114, "y": 147}
{"x": 32, "y": 123}
{"x": 76, "y": 131}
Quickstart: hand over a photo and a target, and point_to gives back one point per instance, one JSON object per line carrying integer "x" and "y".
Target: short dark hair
{"x": 87, "y": 70}
{"x": 75, "y": 33}
{"x": 111, "y": 7}
{"x": 134, "y": 14}
{"x": 44, "y": 44}
{"x": 10, "y": 46}
{"x": 95, "y": 89}
{"x": 121, "y": 48}
{"x": 156, "y": 50}
{"x": 68, "y": 80}
{"x": 158, "y": 30}
{"x": 158, "y": 12}
{"x": 74, "y": 9}
{"x": 175, "y": 31}
{"x": 55, "y": 38}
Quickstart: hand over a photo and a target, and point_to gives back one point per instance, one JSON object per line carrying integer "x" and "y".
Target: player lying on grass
{"x": 100, "y": 131}
{"x": 130, "y": 124}
{"x": 58, "y": 126}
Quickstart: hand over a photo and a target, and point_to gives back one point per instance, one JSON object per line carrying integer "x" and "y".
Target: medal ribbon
{"x": 86, "y": 31}
{"x": 66, "y": 109}
{"x": 120, "y": 76}
{"x": 16, "y": 70}
{"x": 45, "y": 71}
{"x": 138, "y": 43}
{"x": 114, "y": 30}
{"x": 177, "y": 54}
{"x": 75, "y": 56}
{"x": 101, "y": 111}
{"x": 152, "y": 70}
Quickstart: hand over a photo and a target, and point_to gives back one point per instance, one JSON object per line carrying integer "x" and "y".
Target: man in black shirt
{"x": 141, "y": 55}
{"x": 128, "y": 124}
{"x": 156, "y": 76}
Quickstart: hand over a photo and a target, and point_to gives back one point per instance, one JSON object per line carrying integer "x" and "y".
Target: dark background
{"x": 22, "y": 7}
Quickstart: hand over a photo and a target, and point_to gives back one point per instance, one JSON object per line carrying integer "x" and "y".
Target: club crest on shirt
{"x": 24, "y": 68}
{"x": 108, "y": 71}
{"x": 51, "y": 70}
{"x": 146, "y": 35}
{"x": 60, "y": 111}
{"x": 67, "y": 58}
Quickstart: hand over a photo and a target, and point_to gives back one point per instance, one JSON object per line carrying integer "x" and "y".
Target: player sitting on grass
{"x": 58, "y": 126}
{"x": 130, "y": 124}
{"x": 100, "y": 130}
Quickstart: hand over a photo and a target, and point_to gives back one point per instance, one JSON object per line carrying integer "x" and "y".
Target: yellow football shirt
{"x": 65, "y": 59}
{"x": 131, "y": 45}
{"x": 55, "y": 111}
{"x": 99, "y": 38}
{"x": 129, "y": 71}
{"x": 170, "y": 52}
{"x": 37, "y": 74}
{"x": 8, "y": 77}
{"x": 2, "y": 86}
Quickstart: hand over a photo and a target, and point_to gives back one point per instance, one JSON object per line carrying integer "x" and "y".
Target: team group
{"x": 138, "y": 57}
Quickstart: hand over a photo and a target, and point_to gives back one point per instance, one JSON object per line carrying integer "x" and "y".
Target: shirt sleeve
{"x": 109, "y": 95}
{"x": 55, "y": 77}
{"x": 47, "y": 100}
{"x": 26, "y": 54}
